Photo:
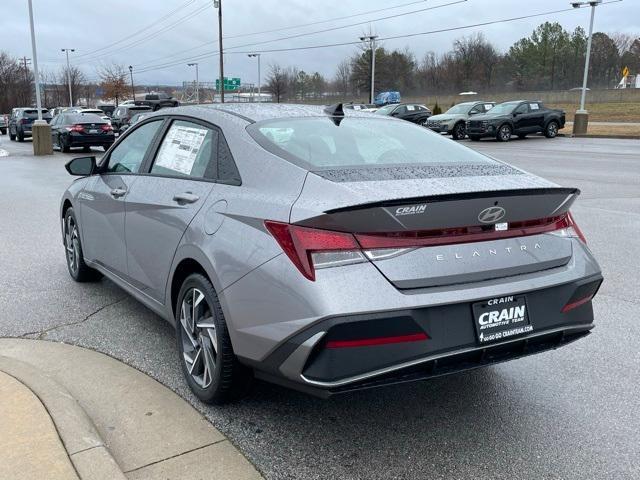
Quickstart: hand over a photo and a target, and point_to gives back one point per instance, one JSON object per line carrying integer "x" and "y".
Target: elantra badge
{"x": 492, "y": 214}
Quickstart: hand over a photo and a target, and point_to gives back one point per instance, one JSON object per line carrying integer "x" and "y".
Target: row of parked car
{"x": 479, "y": 119}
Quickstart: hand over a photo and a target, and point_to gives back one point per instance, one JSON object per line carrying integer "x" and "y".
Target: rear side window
{"x": 318, "y": 142}
{"x": 188, "y": 149}
{"x": 128, "y": 155}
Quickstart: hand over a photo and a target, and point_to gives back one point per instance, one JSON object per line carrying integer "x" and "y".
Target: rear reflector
{"x": 311, "y": 248}
{"x": 367, "y": 342}
{"x": 576, "y": 304}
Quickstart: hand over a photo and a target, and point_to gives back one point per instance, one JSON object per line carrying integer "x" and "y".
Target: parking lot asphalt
{"x": 567, "y": 414}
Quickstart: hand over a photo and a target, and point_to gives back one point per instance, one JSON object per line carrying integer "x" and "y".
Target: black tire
{"x": 20, "y": 136}
{"x": 12, "y": 136}
{"x": 206, "y": 355}
{"x": 504, "y": 133}
{"x": 64, "y": 146}
{"x": 474, "y": 138}
{"x": 551, "y": 130}
{"x": 459, "y": 131}
{"x": 78, "y": 269}
{"x": 3, "y": 131}
{"x": 86, "y": 149}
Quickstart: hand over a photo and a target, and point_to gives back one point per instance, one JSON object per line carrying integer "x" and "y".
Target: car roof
{"x": 255, "y": 112}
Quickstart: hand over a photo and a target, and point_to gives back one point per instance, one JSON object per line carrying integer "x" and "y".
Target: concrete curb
{"x": 86, "y": 449}
{"x": 615, "y": 137}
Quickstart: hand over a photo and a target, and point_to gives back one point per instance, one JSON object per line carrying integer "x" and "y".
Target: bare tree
{"x": 113, "y": 81}
{"x": 77, "y": 79}
{"x": 277, "y": 82}
{"x": 342, "y": 78}
{"x": 16, "y": 83}
{"x": 623, "y": 41}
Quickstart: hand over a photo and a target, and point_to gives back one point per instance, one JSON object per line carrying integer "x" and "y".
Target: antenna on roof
{"x": 334, "y": 110}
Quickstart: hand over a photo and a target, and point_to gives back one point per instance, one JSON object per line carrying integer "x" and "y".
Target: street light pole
{"x": 133, "y": 90}
{"x": 67, "y": 50}
{"x": 35, "y": 63}
{"x": 581, "y": 117}
{"x": 372, "y": 45}
{"x": 218, "y": 4}
{"x": 257, "y": 55}
{"x": 197, "y": 82}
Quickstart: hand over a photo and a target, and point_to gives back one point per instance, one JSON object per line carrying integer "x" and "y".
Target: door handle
{"x": 118, "y": 192}
{"x": 186, "y": 197}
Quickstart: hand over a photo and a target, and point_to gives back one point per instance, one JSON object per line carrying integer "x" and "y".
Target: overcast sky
{"x": 142, "y": 32}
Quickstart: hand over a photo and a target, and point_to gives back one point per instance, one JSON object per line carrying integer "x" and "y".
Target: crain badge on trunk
{"x": 412, "y": 210}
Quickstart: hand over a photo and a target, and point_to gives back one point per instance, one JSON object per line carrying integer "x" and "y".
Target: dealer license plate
{"x": 501, "y": 318}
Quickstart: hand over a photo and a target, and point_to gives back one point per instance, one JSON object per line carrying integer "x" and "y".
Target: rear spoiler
{"x": 461, "y": 196}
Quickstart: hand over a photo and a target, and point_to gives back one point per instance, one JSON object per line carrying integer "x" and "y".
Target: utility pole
{"x": 218, "y": 4}
{"x": 67, "y": 50}
{"x": 133, "y": 91}
{"x": 372, "y": 45}
{"x": 195, "y": 64}
{"x": 252, "y": 55}
{"x": 25, "y": 65}
{"x": 581, "y": 117}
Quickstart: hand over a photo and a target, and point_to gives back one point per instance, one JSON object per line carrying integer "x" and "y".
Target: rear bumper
{"x": 90, "y": 140}
{"x": 306, "y": 362}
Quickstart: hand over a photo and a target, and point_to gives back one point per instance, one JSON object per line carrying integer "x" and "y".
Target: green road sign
{"x": 230, "y": 84}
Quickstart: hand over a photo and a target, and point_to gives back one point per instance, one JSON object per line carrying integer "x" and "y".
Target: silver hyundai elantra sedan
{"x": 327, "y": 250}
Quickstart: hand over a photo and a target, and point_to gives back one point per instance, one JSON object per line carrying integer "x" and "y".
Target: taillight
{"x": 310, "y": 248}
{"x": 76, "y": 128}
{"x": 106, "y": 127}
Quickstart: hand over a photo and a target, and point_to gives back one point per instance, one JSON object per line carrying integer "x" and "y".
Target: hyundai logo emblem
{"x": 491, "y": 214}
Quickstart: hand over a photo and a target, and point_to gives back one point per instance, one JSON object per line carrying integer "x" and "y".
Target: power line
{"x": 213, "y": 42}
{"x": 349, "y": 25}
{"x": 152, "y": 35}
{"x": 205, "y": 55}
{"x": 394, "y": 37}
{"x": 164, "y": 17}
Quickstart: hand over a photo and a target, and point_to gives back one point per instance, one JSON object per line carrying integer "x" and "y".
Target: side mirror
{"x": 81, "y": 166}
{"x": 395, "y": 114}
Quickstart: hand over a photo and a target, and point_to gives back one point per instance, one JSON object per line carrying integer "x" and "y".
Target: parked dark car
{"x": 520, "y": 117}
{"x": 86, "y": 130}
{"x": 156, "y": 100}
{"x": 4, "y": 123}
{"x": 21, "y": 121}
{"x": 412, "y": 112}
{"x": 107, "y": 109}
{"x": 135, "y": 119}
{"x": 122, "y": 115}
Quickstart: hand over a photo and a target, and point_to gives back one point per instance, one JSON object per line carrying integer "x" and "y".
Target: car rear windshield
{"x": 321, "y": 142}
{"x": 84, "y": 118}
{"x": 34, "y": 113}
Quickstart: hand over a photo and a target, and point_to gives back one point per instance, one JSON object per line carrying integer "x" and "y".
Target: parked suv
{"x": 122, "y": 115}
{"x": 520, "y": 117}
{"x": 4, "y": 123}
{"x": 21, "y": 121}
{"x": 454, "y": 121}
{"x": 156, "y": 100}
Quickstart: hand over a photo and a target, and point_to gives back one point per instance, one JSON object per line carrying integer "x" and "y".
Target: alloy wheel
{"x": 505, "y": 133}
{"x": 199, "y": 337}
{"x": 72, "y": 244}
{"x": 552, "y": 129}
{"x": 459, "y": 132}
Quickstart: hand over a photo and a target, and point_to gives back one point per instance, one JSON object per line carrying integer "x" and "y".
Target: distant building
{"x": 629, "y": 81}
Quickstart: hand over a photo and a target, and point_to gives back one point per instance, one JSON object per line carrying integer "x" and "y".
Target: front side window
{"x": 522, "y": 109}
{"x": 130, "y": 152}
{"x": 318, "y": 142}
{"x": 188, "y": 149}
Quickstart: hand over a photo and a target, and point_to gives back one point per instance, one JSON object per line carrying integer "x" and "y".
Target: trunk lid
{"x": 505, "y": 202}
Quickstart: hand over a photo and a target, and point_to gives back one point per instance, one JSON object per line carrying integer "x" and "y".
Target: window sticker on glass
{"x": 488, "y": 106}
{"x": 410, "y": 107}
{"x": 180, "y": 148}
{"x": 534, "y": 106}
